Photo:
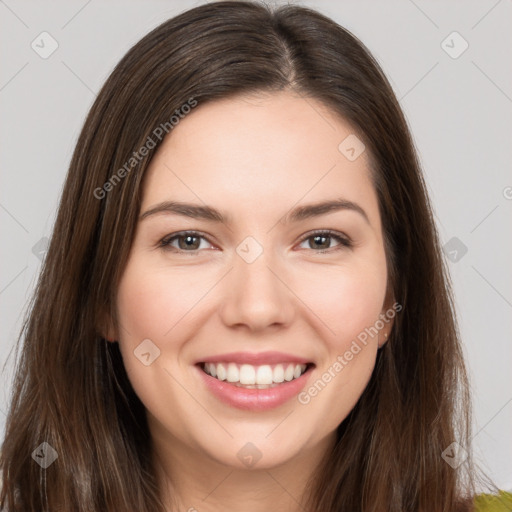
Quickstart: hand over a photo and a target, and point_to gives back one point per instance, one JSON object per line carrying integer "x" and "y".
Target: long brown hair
{"x": 71, "y": 389}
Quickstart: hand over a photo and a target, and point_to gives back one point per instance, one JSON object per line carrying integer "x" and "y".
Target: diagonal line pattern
{"x": 301, "y": 301}
{"x": 14, "y": 76}
{"x": 424, "y": 14}
{"x": 14, "y": 218}
{"x": 198, "y": 402}
{"x": 76, "y": 14}
{"x": 494, "y": 416}
{"x": 490, "y": 284}
{"x": 217, "y": 486}
{"x": 304, "y": 97}
{"x": 123, "y": 328}
{"x": 279, "y": 220}
{"x": 165, "y": 165}
{"x": 78, "y": 77}
{"x": 3, "y": 2}
{"x": 492, "y": 81}
{"x": 12, "y": 280}
{"x": 486, "y": 14}
{"x": 488, "y": 215}
{"x": 284, "y": 489}
{"x": 280, "y": 423}
{"x": 419, "y": 81}
{"x": 199, "y": 300}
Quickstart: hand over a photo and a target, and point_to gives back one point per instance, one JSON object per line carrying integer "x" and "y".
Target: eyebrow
{"x": 209, "y": 213}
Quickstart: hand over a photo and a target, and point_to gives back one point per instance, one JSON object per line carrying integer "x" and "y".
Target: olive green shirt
{"x": 494, "y": 503}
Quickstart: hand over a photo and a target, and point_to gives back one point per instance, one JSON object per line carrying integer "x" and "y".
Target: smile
{"x": 255, "y": 377}
{"x": 254, "y": 382}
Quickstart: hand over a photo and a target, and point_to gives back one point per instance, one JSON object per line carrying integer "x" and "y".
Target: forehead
{"x": 259, "y": 150}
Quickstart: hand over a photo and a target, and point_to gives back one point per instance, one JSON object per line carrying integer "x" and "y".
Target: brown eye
{"x": 321, "y": 241}
{"x": 184, "y": 242}
{"x": 188, "y": 242}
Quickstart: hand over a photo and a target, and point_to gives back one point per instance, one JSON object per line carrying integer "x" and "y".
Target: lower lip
{"x": 254, "y": 399}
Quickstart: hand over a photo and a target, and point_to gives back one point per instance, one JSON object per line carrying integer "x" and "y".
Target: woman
{"x": 304, "y": 354}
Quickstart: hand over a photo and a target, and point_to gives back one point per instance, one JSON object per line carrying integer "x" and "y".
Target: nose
{"x": 257, "y": 295}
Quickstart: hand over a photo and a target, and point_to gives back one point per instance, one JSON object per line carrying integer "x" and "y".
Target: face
{"x": 281, "y": 301}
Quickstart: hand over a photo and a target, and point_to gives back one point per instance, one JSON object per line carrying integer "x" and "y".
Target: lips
{"x": 260, "y": 358}
{"x": 255, "y": 381}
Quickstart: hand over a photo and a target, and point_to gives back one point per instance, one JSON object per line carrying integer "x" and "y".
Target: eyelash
{"x": 344, "y": 242}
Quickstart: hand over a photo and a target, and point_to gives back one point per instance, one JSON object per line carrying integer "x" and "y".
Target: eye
{"x": 190, "y": 241}
{"x": 322, "y": 240}
{"x": 187, "y": 241}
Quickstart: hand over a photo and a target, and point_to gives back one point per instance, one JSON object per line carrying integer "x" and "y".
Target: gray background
{"x": 459, "y": 110}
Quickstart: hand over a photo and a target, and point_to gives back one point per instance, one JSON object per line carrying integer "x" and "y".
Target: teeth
{"x": 233, "y": 373}
{"x": 264, "y": 375}
{"x": 251, "y": 376}
{"x": 278, "y": 374}
{"x": 248, "y": 375}
{"x": 288, "y": 373}
{"x": 220, "y": 369}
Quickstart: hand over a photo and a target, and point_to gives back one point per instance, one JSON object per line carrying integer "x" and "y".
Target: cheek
{"x": 149, "y": 307}
{"x": 349, "y": 300}
{"x": 350, "y": 308}
{"x": 346, "y": 299}
{"x": 157, "y": 304}
{"x": 153, "y": 304}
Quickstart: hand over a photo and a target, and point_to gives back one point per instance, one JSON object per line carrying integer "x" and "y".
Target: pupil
{"x": 324, "y": 238}
{"x": 189, "y": 242}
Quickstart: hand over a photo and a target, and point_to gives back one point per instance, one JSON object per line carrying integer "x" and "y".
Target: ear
{"x": 106, "y": 328}
{"x": 387, "y": 317}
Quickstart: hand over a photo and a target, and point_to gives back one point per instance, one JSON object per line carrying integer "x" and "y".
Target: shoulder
{"x": 501, "y": 502}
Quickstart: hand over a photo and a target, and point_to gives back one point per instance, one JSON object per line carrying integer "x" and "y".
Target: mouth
{"x": 250, "y": 376}
{"x": 255, "y": 382}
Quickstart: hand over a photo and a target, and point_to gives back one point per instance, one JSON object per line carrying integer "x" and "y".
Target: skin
{"x": 254, "y": 158}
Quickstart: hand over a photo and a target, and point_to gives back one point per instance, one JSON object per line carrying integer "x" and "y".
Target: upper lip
{"x": 255, "y": 358}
